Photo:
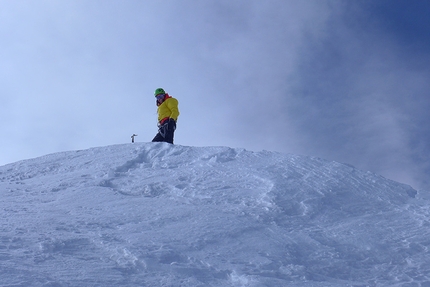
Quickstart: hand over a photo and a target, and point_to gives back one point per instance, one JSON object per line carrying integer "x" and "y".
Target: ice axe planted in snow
{"x": 132, "y": 137}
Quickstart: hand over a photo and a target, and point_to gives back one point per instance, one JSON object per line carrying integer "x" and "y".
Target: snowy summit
{"x": 154, "y": 214}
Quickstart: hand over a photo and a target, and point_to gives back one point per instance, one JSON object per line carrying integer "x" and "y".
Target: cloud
{"x": 243, "y": 56}
{"x": 310, "y": 77}
{"x": 357, "y": 97}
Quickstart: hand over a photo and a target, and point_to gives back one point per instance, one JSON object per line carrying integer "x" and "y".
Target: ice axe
{"x": 132, "y": 137}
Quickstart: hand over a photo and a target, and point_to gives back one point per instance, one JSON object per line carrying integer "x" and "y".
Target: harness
{"x": 163, "y": 121}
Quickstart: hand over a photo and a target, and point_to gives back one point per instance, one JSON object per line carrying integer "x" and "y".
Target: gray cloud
{"x": 365, "y": 93}
{"x": 320, "y": 78}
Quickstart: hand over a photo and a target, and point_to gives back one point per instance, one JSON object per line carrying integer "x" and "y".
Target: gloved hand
{"x": 171, "y": 124}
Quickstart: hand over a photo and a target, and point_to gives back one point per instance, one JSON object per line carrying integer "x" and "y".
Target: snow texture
{"x": 154, "y": 214}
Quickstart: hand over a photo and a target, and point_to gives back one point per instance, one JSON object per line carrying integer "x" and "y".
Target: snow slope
{"x": 154, "y": 214}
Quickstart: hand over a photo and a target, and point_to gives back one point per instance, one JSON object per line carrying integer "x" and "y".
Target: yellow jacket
{"x": 168, "y": 109}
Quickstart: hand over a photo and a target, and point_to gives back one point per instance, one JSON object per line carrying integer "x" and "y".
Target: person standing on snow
{"x": 168, "y": 113}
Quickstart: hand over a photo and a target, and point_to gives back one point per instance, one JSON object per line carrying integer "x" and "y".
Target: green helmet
{"x": 159, "y": 91}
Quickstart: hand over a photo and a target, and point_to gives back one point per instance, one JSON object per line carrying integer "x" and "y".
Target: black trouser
{"x": 166, "y": 132}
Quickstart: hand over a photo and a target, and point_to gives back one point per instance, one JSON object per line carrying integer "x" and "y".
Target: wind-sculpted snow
{"x": 154, "y": 214}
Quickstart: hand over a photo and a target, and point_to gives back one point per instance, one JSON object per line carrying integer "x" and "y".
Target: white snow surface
{"x": 155, "y": 214}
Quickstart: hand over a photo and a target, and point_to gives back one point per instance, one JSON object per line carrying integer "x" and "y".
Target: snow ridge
{"x": 154, "y": 214}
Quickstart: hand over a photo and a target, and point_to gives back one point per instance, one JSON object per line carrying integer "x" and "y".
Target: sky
{"x": 342, "y": 80}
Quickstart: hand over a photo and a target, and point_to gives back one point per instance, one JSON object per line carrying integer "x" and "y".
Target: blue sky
{"x": 342, "y": 80}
